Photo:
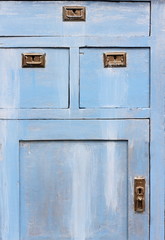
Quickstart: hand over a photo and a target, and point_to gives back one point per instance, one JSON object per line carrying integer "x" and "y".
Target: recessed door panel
{"x": 104, "y": 85}
{"x": 74, "y": 189}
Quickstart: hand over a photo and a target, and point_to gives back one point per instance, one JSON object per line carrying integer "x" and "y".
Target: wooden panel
{"x": 34, "y": 87}
{"x": 48, "y": 147}
{"x": 17, "y": 20}
{"x": 114, "y": 87}
{"x": 113, "y": 131}
{"x": 9, "y": 180}
{"x": 158, "y": 122}
{"x": 73, "y": 190}
{"x": 79, "y": 41}
{"x": 45, "y": 18}
{"x": 115, "y": 113}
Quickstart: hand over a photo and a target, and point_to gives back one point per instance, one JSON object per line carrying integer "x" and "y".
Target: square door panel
{"x": 121, "y": 86}
{"x": 34, "y": 87}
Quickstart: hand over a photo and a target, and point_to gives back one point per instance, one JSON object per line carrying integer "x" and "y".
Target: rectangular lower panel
{"x": 73, "y": 190}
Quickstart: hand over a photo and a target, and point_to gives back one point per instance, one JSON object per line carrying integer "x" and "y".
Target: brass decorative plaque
{"x": 114, "y": 59}
{"x": 31, "y": 60}
{"x": 74, "y": 13}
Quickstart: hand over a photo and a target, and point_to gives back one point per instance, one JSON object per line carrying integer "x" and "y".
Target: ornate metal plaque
{"x": 74, "y": 13}
{"x": 31, "y": 60}
{"x": 115, "y": 59}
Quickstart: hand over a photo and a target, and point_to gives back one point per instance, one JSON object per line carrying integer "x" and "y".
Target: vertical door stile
{"x": 9, "y": 180}
{"x": 157, "y": 149}
{"x": 74, "y": 78}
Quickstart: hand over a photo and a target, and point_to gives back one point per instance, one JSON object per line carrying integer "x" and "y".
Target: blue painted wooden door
{"x": 76, "y": 178}
{"x": 75, "y": 134}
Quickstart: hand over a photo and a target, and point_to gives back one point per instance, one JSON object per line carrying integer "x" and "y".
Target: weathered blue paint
{"x": 157, "y": 121}
{"x": 71, "y": 190}
{"x": 34, "y": 88}
{"x": 33, "y": 18}
{"x": 106, "y": 144}
{"x": 114, "y": 87}
{"x": 74, "y": 134}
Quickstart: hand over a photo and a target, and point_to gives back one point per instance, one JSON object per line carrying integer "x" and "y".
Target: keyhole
{"x": 140, "y": 190}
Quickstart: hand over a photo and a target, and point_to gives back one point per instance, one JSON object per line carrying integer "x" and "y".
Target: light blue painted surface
{"x": 83, "y": 154}
{"x": 37, "y": 163}
{"x": 71, "y": 189}
{"x": 57, "y": 176}
{"x": 158, "y": 122}
{"x": 114, "y": 87}
{"x": 33, "y": 18}
{"x": 34, "y": 87}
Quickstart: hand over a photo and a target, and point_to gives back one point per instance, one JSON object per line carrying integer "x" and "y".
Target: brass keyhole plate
{"x": 115, "y": 59}
{"x": 139, "y": 194}
{"x": 74, "y": 13}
